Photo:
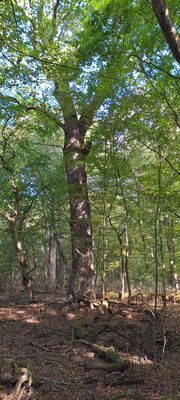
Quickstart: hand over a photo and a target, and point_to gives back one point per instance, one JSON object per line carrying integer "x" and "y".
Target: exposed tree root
{"x": 23, "y": 383}
{"x": 22, "y": 379}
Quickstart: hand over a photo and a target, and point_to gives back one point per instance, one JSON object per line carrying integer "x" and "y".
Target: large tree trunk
{"x": 82, "y": 277}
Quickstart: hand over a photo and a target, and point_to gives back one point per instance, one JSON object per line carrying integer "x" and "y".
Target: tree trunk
{"x": 171, "y": 251}
{"x": 122, "y": 273}
{"x": 162, "y": 261}
{"x": 127, "y": 264}
{"x": 162, "y": 14}
{"x": 82, "y": 277}
{"x": 144, "y": 246}
{"x": 14, "y": 222}
{"x": 51, "y": 284}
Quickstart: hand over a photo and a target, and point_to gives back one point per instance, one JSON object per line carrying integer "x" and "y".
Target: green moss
{"x": 78, "y": 330}
{"x": 112, "y": 295}
{"x": 113, "y": 356}
{"x": 138, "y": 396}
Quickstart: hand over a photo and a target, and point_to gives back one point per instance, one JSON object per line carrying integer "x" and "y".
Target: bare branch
{"x": 10, "y": 207}
{"x": 7, "y": 216}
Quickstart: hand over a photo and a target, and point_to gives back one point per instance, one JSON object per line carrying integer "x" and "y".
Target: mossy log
{"x": 107, "y": 354}
{"x": 124, "y": 365}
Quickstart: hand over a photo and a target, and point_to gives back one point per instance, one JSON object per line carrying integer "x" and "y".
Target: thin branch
{"x": 163, "y": 157}
{"x": 156, "y": 66}
{"x": 49, "y": 145}
{"x": 10, "y": 61}
{"x": 32, "y": 107}
{"x": 57, "y": 64}
{"x": 14, "y": 15}
{"x": 10, "y": 207}
{"x": 173, "y": 110}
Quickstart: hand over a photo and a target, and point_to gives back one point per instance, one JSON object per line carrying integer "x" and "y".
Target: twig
{"x": 40, "y": 347}
{"x": 52, "y": 381}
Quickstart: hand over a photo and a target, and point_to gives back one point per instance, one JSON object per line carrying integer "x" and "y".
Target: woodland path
{"x": 63, "y": 368}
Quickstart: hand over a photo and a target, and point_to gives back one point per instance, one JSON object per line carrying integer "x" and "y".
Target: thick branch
{"x": 172, "y": 38}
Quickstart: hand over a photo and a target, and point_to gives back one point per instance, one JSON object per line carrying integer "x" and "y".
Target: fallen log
{"x": 6, "y": 380}
{"x": 110, "y": 367}
{"x": 106, "y": 353}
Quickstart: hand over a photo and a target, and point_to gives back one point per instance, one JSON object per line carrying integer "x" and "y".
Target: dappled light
{"x": 75, "y": 351}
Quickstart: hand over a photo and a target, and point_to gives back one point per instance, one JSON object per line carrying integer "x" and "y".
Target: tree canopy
{"x": 89, "y": 104}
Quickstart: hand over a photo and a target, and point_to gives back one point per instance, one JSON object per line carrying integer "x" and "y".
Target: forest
{"x": 89, "y": 199}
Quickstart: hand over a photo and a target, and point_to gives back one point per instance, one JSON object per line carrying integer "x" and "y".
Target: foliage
{"x": 114, "y": 69}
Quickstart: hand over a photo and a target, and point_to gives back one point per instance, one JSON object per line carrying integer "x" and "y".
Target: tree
{"x": 71, "y": 64}
{"x": 71, "y": 115}
{"x": 15, "y": 216}
{"x": 168, "y": 28}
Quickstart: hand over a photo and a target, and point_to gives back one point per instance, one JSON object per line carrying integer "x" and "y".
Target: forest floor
{"x": 65, "y": 368}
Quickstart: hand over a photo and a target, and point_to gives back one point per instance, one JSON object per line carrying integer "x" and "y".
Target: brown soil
{"x": 66, "y": 369}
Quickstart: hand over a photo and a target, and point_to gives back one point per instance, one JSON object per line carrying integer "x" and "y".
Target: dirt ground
{"x": 67, "y": 369}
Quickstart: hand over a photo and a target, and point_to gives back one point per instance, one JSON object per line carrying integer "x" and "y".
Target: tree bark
{"x": 75, "y": 151}
{"x": 162, "y": 14}
{"x": 127, "y": 264}
{"x": 171, "y": 250}
{"x": 51, "y": 284}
